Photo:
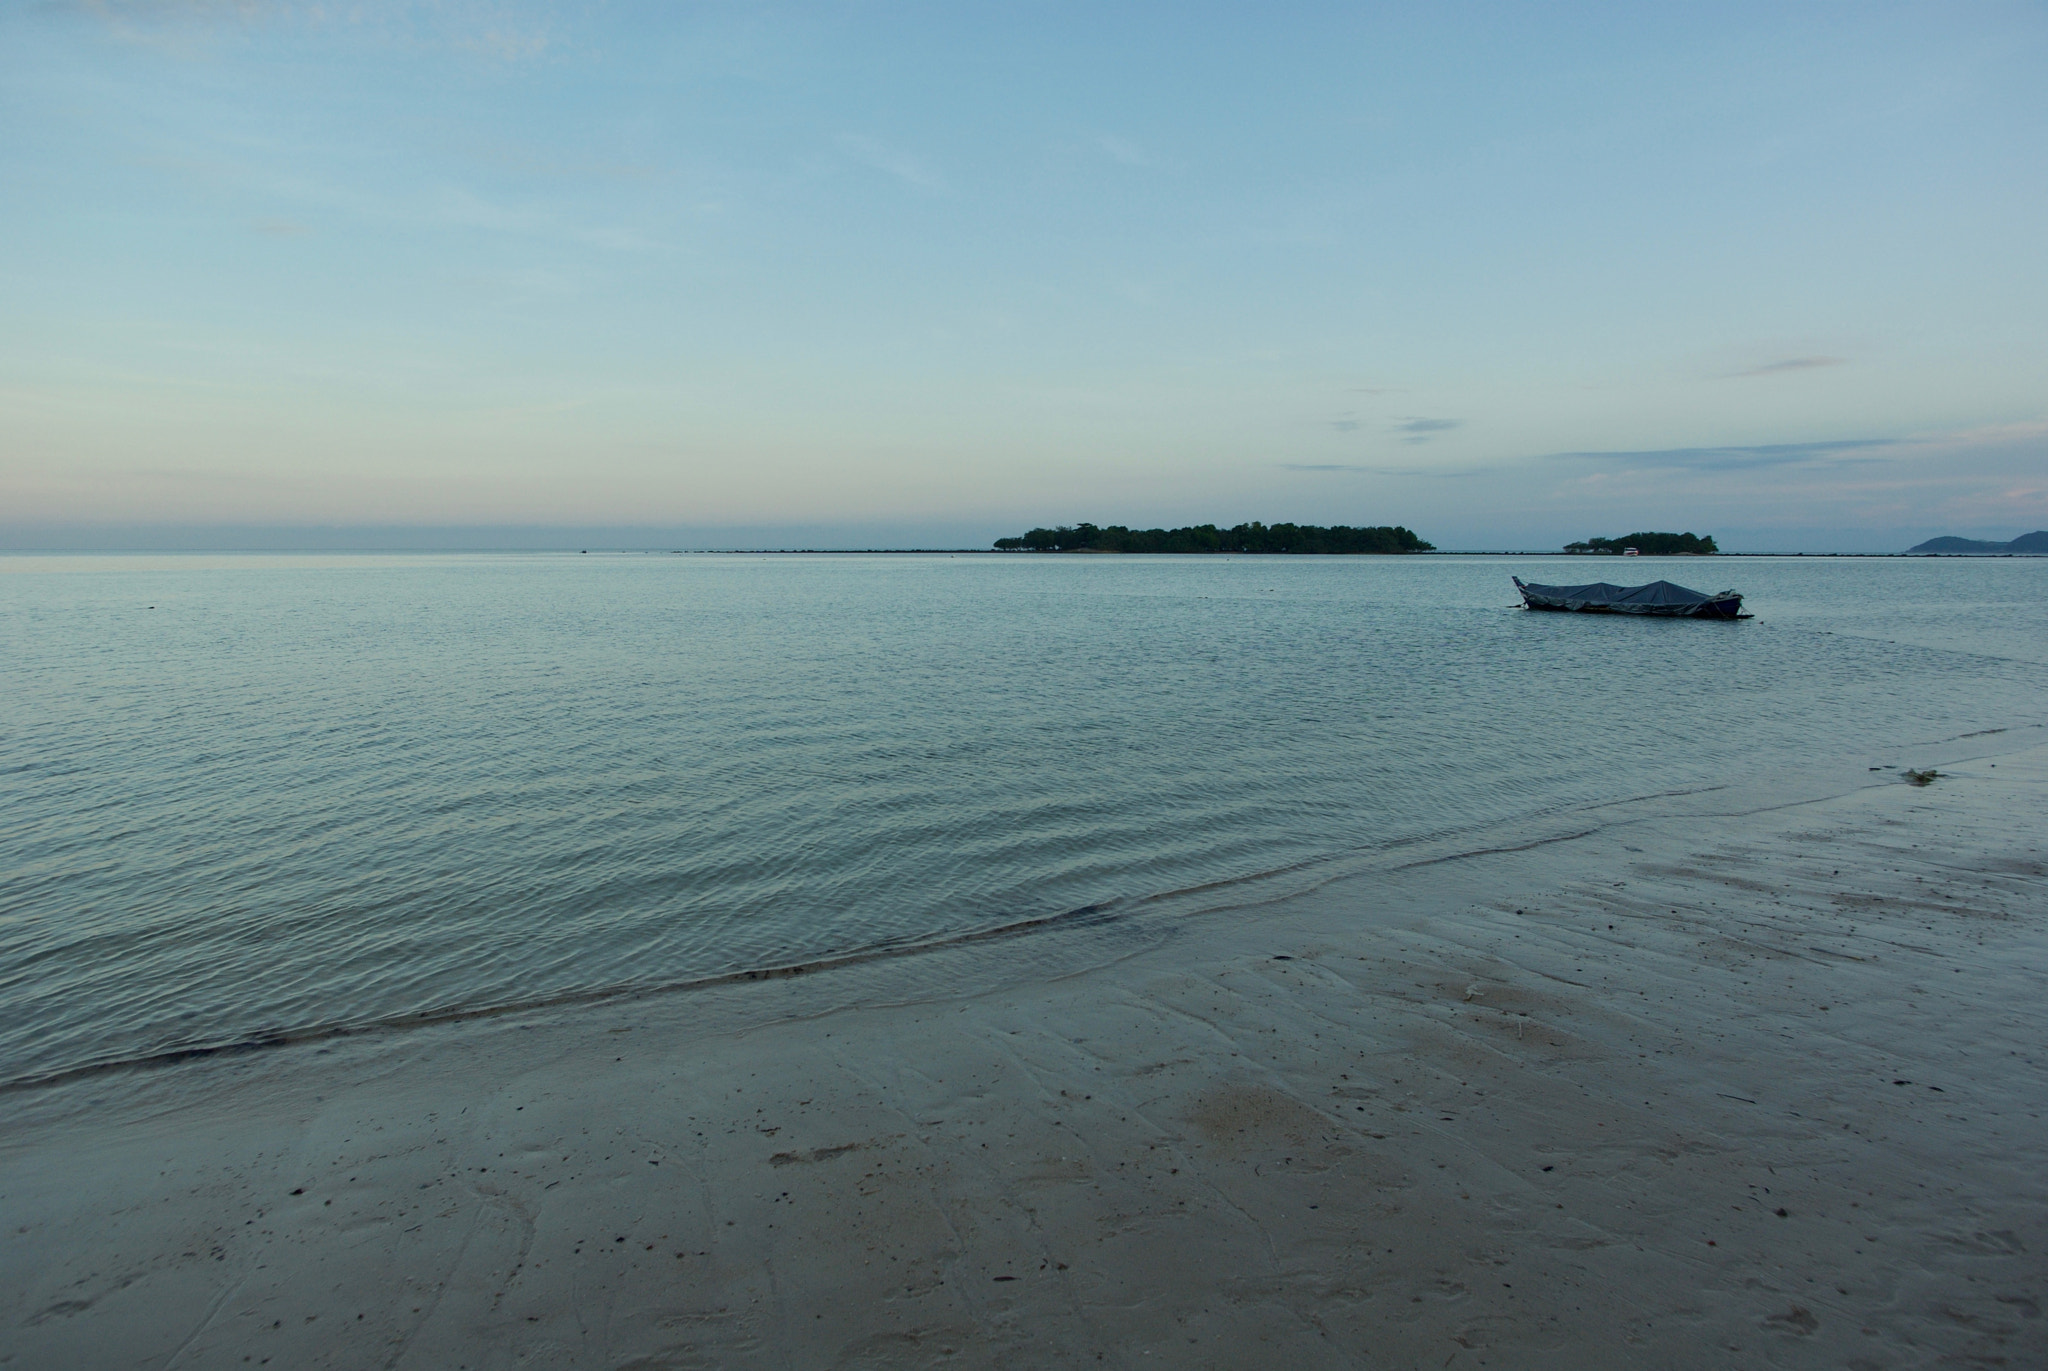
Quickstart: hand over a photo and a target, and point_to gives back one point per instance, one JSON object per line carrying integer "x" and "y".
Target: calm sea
{"x": 247, "y": 796}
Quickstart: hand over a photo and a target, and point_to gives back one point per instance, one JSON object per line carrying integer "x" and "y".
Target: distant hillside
{"x": 2032, "y": 543}
{"x": 1650, "y": 545}
{"x": 1252, "y": 537}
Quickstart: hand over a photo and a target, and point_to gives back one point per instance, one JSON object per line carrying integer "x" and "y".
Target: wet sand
{"x": 1698, "y": 1081}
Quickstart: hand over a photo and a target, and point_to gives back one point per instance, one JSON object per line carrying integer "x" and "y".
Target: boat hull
{"x": 1660, "y": 600}
{"x": 1717, "y": 609}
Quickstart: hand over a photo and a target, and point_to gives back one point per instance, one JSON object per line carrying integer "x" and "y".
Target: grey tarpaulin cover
{"x": 1658, "y": 597}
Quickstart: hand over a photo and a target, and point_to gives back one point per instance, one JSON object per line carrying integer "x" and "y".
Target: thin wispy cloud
{"x": 1744, "y": 458}
{"x": 443, "y": 207}
{"x": 507, "y": 44}
{"x": 1422, "y": 430}
{"x": 1370, "y": 469}
{"x": 219, "y": 10}
{"x": 1783, "y": 365}
{"x": 904, "y": 166}
{"x": 1123, "y": 150}
{"x": 500, "y": 30}
{"x": 2028, "y": 432}
{"x": 1344, "y": 425}
{"x": 281, "y": 228}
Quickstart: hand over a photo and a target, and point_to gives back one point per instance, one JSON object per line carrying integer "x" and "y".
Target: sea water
{"x": 252, "y": 797}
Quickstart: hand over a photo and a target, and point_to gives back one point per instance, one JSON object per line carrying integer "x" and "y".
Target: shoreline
{"x": 1537, "y": 1106}
{"x": 1248, "y": 890}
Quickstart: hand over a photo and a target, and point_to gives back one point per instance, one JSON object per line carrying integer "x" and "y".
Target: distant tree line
{"x": 1649, "y": 544}
{"x": 1253, "y": 537}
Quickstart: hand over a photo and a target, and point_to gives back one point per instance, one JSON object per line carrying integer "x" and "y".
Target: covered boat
{"x": 1658, "y": 597}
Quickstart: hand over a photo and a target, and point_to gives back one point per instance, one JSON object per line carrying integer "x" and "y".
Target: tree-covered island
{"x": 1252, "y": 537}
{"x": 1650, "y": 545}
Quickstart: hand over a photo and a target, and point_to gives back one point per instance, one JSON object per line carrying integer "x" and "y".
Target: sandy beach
{"x": 1709, "y": 1080}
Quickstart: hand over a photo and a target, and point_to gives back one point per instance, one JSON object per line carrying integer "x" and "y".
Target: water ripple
{"x": 315, "y": 795}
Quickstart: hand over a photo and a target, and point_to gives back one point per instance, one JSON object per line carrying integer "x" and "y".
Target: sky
{"x": 904, "y": 274}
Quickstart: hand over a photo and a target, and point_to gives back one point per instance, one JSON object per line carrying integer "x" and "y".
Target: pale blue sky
{"x": 1505, "y": 273}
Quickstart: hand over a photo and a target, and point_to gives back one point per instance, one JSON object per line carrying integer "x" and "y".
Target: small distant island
{"x": 1340, "y": 539}
{"x": 1650, "y": 545}
{"x": 2031, "y": 544}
